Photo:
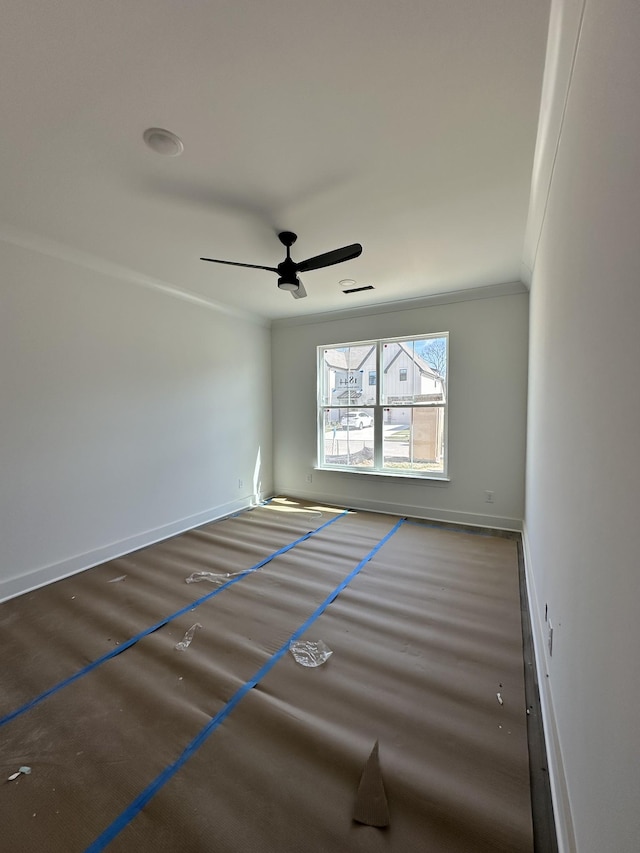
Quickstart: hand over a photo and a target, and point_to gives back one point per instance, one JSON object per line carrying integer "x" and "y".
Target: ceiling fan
{"x": 288, "y": 270}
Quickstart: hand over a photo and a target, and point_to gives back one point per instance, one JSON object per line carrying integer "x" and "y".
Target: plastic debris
{"x": 499, "y": 697}
{"x": 309, "y": 652}
{"x": 26, "y": 770}
{"x": 371, "y": 806}
{"x": 212, "y": 577}
{"x": 117, "y": 580}
{"x": 185, "y": 642}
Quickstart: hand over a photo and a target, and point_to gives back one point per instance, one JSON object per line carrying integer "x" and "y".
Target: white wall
{"x": 583, "y": 465}
{"x": 126, "y": 415}
{"x": 487, "y": 414}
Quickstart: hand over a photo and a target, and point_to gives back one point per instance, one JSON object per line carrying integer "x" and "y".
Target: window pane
{"x": 342, "y": 380}
{"x": 414, "y": 371}
{"x": 399, "y": 385}
{"x": 413, "y": 439}
{"x": 348, "y": 439}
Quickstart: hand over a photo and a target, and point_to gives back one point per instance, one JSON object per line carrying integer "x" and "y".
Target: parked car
{"x": 356, "y": 420}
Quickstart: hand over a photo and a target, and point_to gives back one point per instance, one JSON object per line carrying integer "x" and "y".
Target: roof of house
{"x": 421, "y": 364}
{"x": 348, "y": 358}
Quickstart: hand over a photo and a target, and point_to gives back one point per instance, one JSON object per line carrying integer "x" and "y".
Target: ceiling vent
{"x": 358, "y": 289}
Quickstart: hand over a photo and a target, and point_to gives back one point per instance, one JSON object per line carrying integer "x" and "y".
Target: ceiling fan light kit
{"x": 288, "y": 270}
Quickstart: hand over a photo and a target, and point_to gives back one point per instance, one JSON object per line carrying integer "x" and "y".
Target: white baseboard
{"x": 428, "y": 513}
{"x": 557, "y": 777}
{"x": 11, "y": 587}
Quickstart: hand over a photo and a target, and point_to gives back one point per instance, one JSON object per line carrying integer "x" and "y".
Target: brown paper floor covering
{"x": 423, "y": 639}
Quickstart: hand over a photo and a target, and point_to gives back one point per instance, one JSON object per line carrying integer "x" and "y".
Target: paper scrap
{"x": 371, "y": 806}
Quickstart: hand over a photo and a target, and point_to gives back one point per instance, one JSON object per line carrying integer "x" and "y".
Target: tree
{"x": 434, "y": 352}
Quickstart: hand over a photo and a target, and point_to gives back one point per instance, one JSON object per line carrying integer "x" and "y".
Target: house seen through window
{"x": 397, "y": 425}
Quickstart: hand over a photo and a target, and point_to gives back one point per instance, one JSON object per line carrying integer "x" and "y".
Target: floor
{"x": 230, "y": 744}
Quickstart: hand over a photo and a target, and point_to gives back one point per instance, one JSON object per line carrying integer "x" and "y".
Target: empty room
{"x": 319, "y": 469}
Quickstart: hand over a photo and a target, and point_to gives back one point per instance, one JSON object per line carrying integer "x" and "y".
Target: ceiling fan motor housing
{"x": 288, "y": 280}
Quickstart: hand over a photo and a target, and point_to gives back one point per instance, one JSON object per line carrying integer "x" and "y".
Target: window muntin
{"x": 395, "y": 426}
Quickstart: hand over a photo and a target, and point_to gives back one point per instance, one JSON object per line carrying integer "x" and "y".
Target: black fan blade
{"x": 236, "y": 264}
{"x": 300, "y": 293}
{"x": 337, "y": 256}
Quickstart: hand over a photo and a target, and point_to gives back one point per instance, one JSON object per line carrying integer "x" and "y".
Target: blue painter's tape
{"x": 133, "y": 640}
{"x": 136, "y": 806}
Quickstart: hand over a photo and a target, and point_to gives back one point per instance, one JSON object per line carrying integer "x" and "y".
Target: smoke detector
{"x": 163, "y": 141}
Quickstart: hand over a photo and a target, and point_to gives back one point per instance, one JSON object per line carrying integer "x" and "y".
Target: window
{"x": 396, "y": 426}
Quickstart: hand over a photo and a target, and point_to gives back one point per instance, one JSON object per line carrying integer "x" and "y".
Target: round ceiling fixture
{"x": 163, "y": 141}
{"x": 347, "y": 282}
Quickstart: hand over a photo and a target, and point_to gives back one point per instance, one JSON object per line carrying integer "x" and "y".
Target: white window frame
{"x": 378, "y": 409}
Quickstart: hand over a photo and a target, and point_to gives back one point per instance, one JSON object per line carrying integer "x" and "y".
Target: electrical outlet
{"x": 309, "y": 478}
{"x": 240, "y": 484}
{"x": 488, "y": 496}
{"x": 550, "y": 639}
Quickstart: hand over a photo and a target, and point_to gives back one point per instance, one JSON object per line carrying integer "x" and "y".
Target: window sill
{"x": 414, "y": 475}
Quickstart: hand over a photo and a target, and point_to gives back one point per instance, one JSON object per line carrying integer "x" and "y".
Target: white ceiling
{"x": 407, "y": 126}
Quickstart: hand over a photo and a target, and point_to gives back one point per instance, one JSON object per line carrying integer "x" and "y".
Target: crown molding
{"x": 488, "y": 292}
{"x": 60, "y": 251}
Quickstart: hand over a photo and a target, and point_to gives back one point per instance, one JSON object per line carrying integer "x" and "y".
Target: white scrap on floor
{"x": 21, "y": 770}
